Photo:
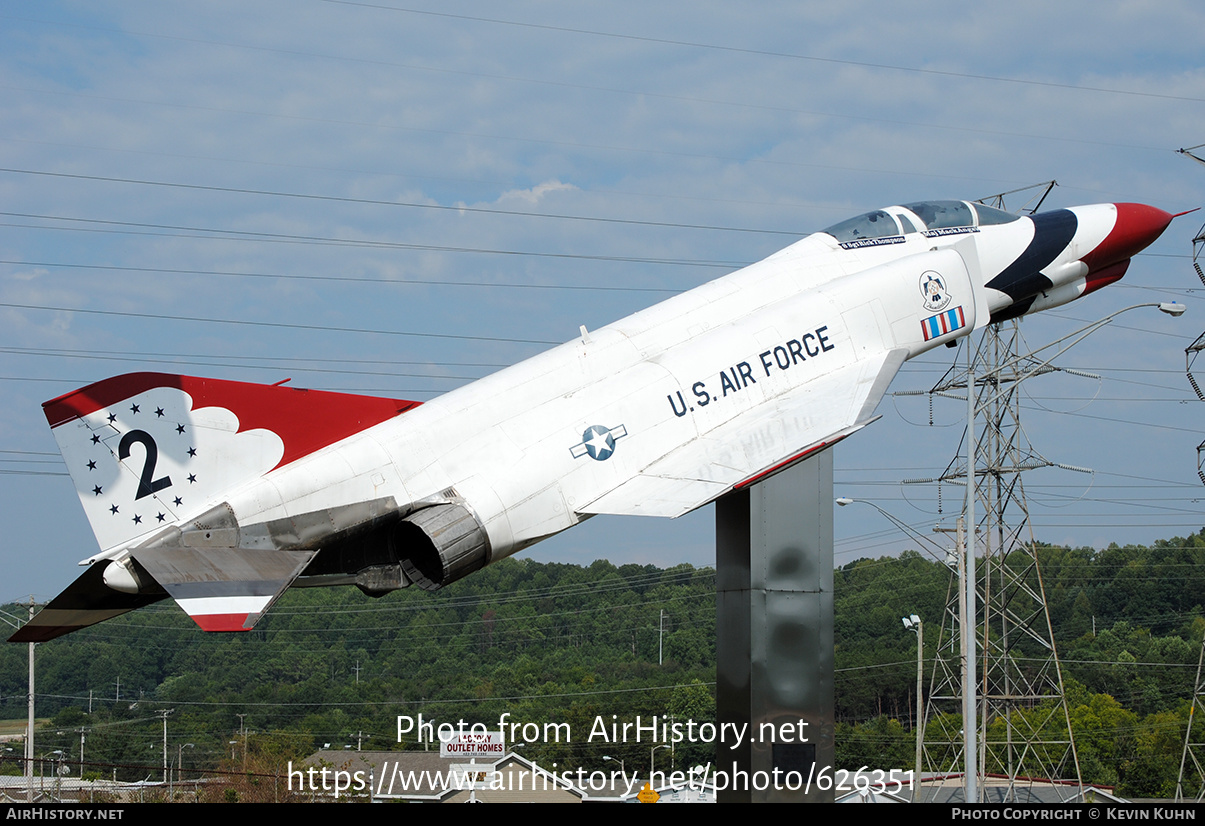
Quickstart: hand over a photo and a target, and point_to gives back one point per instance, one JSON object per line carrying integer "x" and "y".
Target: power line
{"x": 346, "y": 279}
{"x": 764, "y": 52}
{"x": 286, "y": 238}
{"x": 407, "y": 204}
{"x": 288, "y": 359}
{"x": 277, "y": 324}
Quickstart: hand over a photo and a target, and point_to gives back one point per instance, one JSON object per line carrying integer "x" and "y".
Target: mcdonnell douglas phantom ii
{"x": 222, "y": 494}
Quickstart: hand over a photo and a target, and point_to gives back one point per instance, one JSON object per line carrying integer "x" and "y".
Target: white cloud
{"x": 535, "y": 194}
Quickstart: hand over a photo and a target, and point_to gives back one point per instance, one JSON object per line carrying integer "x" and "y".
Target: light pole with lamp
{"x": 652, "y": 752}
{"x": 913, "y": 623}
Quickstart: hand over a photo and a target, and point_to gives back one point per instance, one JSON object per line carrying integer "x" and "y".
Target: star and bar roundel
{"x": 598, "y": 442}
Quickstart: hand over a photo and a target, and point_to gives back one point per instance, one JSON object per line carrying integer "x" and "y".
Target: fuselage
{"x": 222, "y": 494}
{"x": 529, "y": 448}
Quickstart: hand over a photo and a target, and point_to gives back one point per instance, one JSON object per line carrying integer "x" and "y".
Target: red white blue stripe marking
{"x": 942, "y": 323}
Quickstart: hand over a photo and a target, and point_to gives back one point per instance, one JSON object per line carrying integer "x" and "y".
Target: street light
{"x": 843, "y": 501}
{"x": 966, "y": 639}
{"x": 180, "y": 747}
{"x": 1171, "y": 308}
{"x": 653, "y": 751}
{"x": 622, "y": 769}
{"x": 58, "y": 755}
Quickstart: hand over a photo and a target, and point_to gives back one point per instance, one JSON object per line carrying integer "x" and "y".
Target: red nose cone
{"x": 1138, "y": 225}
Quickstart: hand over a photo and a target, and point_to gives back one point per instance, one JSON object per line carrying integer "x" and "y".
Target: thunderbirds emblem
{"x": 933, "y": 290}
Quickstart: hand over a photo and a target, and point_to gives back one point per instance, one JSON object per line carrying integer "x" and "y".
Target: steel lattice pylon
{"x": 1193, "y": 350}
{"x": 1023, "y": 721}
{"x": 1191, "y": 758}
{"x": 1193, "y": 754}
{"x": 943, "y": 744}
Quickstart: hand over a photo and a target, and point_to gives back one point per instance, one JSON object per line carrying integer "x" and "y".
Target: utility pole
{"x": 29, "y": 729}
{"x": 243, "y": 733}
{"x": 165, "y": 712}
{"x": 660, "y": 635}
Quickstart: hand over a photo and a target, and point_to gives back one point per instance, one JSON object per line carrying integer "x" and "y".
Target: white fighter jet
{"x": 222, "y": 494}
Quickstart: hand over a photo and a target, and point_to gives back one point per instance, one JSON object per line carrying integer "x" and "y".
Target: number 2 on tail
{"x": 145, "y": 486}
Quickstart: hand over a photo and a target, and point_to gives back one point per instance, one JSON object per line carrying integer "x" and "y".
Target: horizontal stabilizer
{"x": 85, "y": 602}
{"x": 223, "y": 589}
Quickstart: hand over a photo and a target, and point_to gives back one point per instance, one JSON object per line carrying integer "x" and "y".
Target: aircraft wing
{"x": 85, "y": 602}
{"x": 757, "y": 443}
{"x": 222, "y": 589}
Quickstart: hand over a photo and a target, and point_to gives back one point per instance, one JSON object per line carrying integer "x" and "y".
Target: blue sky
{"x": 388, "y": 178}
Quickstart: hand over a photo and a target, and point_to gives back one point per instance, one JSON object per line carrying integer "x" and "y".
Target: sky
{"x": 398, "y": 199}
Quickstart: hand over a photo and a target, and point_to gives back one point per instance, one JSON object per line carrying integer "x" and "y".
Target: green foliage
{"x": 545, "y": 642}
{"x": 880, "y": 743}
{"x": 554, "y": 644}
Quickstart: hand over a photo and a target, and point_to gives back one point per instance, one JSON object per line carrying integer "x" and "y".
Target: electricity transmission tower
{"x": 1194, "y": 752}
{"x": 1193, "y": 350}
{"x": 1022, "y": 720}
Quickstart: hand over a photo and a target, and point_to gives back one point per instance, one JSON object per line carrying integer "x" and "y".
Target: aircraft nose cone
{"x": 1137, "y": 226}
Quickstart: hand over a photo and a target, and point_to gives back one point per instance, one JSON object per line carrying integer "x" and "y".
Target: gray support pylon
{"x": 774, "y": 636}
